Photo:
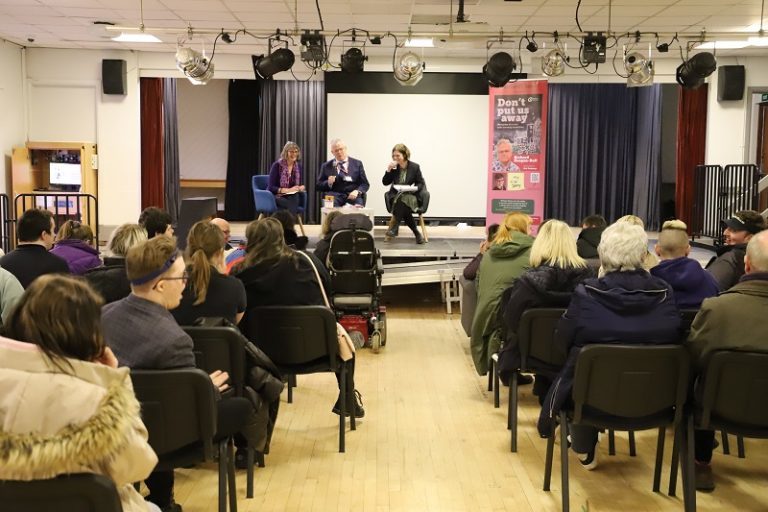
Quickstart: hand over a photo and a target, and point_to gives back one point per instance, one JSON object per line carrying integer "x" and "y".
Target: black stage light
{"x": 691, "y": 73}
{"x": 594, "y": 48}
{"x": 279, "y": 60}
{"x": 353, "y": 61}
{"x": 498, "y": 70}
{"x": 662, "y": 47}
{"x": 313, "y": 46}
{"x": 376, "y": 40}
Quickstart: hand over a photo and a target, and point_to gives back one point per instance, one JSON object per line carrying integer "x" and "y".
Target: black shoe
{"x": 703, "y": 477}
{"x": 524, "y": 380}
{"x": 419, "y": 239}
{"x": 389, "y": 234}
{"x": 173, "y": 507}
{"x": 359, "y": 411}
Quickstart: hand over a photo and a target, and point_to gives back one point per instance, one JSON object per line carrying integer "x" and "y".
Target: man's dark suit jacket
{"x": 355, "y": 171}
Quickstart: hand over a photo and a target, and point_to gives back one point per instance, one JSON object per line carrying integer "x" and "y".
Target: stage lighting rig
{"x": 353, "y": 60}
{"x": 594, "y": 48}
{"x": 498, "y": 71}
{"x": 692, "y": 72}
{"x": 312, "y": 47}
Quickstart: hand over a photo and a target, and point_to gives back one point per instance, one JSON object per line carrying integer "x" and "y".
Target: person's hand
{"x": 107, "y": 358}
{"x": 484, "y": 245}
{"x": 391, "y": 166}
{"x": 331, "y": 180}
{"x": 219, "y": 379}
{"x": 301, "y": 188}
{"x": 352, "y": 195}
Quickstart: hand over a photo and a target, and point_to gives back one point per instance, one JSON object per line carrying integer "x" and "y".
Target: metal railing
{"x": 6, "y": 223}
{"x": 64, "y": 206}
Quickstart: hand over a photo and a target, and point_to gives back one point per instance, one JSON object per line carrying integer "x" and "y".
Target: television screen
{"x": 64, "y": 174}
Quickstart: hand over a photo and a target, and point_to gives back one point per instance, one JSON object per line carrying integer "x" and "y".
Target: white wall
{"x": 12, "y": 107}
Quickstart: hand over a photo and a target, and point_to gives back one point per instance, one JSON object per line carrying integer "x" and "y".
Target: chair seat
{"x": 597, "y": 419}
{"x": 352, "y": 300}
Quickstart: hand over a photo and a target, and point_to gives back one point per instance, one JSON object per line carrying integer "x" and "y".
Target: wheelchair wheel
{"x": 383, "y": 328}
{"x": 375, "y": 341}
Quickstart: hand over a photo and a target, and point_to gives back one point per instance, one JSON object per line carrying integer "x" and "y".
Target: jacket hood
{"x": 682, "y": 273}
{"x": 555, "y": 284}
{"x": 591, "y": 236}
{"x": 77, "y": 244}
{"x": 635, "y": 291}
{"x": 512, "y": 248}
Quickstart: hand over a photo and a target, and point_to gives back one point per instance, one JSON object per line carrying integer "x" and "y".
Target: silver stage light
{"x": 553, "y": 63}
{"x": 409, "y": 70}
{"x": 640, "y": 69}
{"x": 196, "y": 67}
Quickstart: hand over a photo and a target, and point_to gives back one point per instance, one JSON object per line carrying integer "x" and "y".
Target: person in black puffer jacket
{"x": 556, "y": 270}
{"x": 110, "y": 280}
{"x": 592, "y": 228}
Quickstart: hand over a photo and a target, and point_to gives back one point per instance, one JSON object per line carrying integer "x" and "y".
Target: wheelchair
{"x": 356, "y": 270}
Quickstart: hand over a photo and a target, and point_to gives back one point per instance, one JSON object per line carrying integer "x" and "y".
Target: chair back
{"x": 220, "y": 348}
{"x": 735, "y": 387}
{"x": 260, "y": 181}
{"x": 178, "y": 407}
{"x": 298, "y": 339}
{"x": 263, "y": 200}
{"x": 631, "y": 381}
{"x": 536, "y": 337}
{"x": 352, "y": 262}
{"x": 423, "y": 198}
{"x": 81, "y": 492}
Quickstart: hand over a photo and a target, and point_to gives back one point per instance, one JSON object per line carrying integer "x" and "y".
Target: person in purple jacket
{"x": 73, "y": 245}
{"x": 285, "y": 178}
{"x": 691, "y": 283}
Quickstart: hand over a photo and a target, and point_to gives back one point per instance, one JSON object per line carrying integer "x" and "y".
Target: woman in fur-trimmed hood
{"x": 65, "y": 407}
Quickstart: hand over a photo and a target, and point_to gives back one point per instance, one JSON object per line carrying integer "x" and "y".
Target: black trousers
{"x": 402, "y": 212}
{"x": 290, "y": 203}
{"x": 350, "y": 374}
{"x": 703, "y": 444}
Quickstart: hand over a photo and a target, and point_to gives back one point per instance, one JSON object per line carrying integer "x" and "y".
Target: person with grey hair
{"x": 625, "y": 306}
{"x": 110, "y": 280}
{"x": 503, "y": 161}
{"x": 285, "y": 178}
{"x": 730, "y": 321}
{"x": 343, "y": 177}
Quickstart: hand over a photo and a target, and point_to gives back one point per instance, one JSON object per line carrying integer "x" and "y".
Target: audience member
{"x": 292, "y": 239}
{"x": 556, "y": 270}
{"x": 343, "y": 177}
{"x": 326, "y": 233}
{"x": 10, "y": 292}
{"x": 31, "y": 258}
{"x": 728, "y": 266}
{"x": 143, "y": 335}
{"x": 470, "y": 271}
{"x": 691, "y": 283}
{"x": 156, "y": 222}
{"x": 276, "y": 275}
{"x": 66, "y": 407}
{"x": 730, "y": 321}
{"x": 73, "y": 245}
{"x": 625, "y": 306}
{"x": 223, "y": 225}
{"x": 209, "y": 293}
{"x": 505, "y": 261}
{"x": 110, "y": 280}
{"x": 650, "y": 260}
{"x": 592, "y": 228}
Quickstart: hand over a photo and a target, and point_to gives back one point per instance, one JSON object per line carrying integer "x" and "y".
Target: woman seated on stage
{"x": 67, "y": 407}
{"x": 285, "y": 178}
{"x": 209, "y": 292}
{"x": 401, "y": 171}
{"x": 556, "y": 270}
{"x": 504, "y": 262}
{"x": 276, "y": 275}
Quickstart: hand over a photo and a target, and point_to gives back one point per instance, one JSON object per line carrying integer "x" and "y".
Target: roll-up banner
{"x": 518, "y": 133}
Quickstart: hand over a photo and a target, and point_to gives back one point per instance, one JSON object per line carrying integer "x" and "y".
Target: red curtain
{"x": 152, "y": 191}
{"x": 691, "y": 145}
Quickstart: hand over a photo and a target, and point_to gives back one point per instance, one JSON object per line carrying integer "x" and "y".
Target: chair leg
{"x": 260, "y": 460}
{"x": 632, "y": 448}
{"x": 496, "y": 383}
{"x": 676, "y": 440}
{"x": 249, "y": 474}
{"x": 423, "y": 228}
{"x": 689, "y": 482}
{"x": 611, "y": 442}
{"x": 351, "y": 399}
{"x": 223, "y": 476}
{"x": 390, "y": 226}
{"x": 301, "y": 225}
{"x": 512, "y": 413}
{"x": 724, "y": 442}
{"x": 659, "y": 459}
{"x": 290, "y": 388}
{"x": 740, "y": 446}
{"x": 548, "y": 462}
{"x": 261, "y": 216}
{"x": 490, "y": 376}
{"x": 564, "y": 461}
{"x": 231, "y": 475}
{"x": 343, "y": 404}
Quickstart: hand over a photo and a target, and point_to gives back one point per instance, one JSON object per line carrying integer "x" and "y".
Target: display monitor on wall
{"x": 65, "y": 174}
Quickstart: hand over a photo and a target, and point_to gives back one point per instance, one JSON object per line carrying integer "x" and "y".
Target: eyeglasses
{"x": 184, "y": 278}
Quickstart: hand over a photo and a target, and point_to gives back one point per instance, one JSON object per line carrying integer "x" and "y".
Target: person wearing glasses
{"x": 285, "y": 178}
{"x": 343, "y": 177}
{"x": 74, "y": 245}
{"x": 143, "y": 334}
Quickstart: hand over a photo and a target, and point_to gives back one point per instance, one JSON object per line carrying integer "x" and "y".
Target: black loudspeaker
{"x": 114, "y": 76}
{"x": 730, "y": 83}
{"x": 193, "y": 209}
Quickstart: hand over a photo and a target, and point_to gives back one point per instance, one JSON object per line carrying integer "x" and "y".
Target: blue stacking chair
{"x": 264, "y": 200}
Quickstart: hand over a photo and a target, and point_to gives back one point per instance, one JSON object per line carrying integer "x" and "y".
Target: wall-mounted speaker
{"x": 114, "y": 76}
{"x": 730, "y": 83}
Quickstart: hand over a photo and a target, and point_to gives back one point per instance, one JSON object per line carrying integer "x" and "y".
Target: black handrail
{"x": 64, "y": 206}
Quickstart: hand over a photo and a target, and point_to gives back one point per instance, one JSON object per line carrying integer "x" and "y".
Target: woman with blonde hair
{"x": 74, "y": 245}
{"x": 110, "y": 280}
{"x": 209, "y": 292}
{"x": 556, "y": 270}
{"x": 502, "y": 264}
{"x": 285, "y": 178}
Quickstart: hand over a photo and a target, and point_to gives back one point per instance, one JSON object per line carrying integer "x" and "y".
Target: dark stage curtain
{"x": 294, "y": 111}
{"x": 691, "y": 145}
{"x": 601, "y": 155}
{"x": 171, "y": 173}
{"x": 242, "y": 159}
{"x": 152, "y": 192}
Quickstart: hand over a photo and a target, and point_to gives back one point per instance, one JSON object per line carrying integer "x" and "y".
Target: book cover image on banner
{"x": 517, "y": 132}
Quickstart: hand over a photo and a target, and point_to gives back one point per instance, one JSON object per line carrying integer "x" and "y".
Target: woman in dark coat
{"x": 110, "y": 279}
{"x": 401, "y": 171}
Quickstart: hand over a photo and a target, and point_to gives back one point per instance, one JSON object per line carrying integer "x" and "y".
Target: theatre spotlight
{"x": 196, "y": 67}
{"x": 499, "y": 68}
{"x": 692, "y": 72}
{"x": 279, "y": 60}
{"x": 353, "y": 60}
{"x": 553, "y": 63}
{"x": 409, "y": 70}
{"x": 640, "y": 69}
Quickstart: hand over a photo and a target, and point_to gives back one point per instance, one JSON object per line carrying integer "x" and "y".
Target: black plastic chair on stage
{"x": 302, "y": 340}
{"x": 625, "y": 387}
{"x": 81, "y": 492}
{"x": 422, "y": 197}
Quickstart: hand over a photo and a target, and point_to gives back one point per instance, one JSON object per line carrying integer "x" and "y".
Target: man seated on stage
{"x": 503, "y": 161}
{"x": 343, "y": 177}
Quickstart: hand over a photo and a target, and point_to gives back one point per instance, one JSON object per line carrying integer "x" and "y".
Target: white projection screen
{"x": 446, "y": 133}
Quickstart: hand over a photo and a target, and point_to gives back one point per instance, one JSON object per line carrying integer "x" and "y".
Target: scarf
{"x": 286, "y": 176}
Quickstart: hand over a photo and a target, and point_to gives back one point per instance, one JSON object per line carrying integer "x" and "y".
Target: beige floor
{"x": 432, "y": 441}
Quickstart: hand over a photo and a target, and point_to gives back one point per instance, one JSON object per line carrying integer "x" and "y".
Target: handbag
{"x": 346, "y": 346}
